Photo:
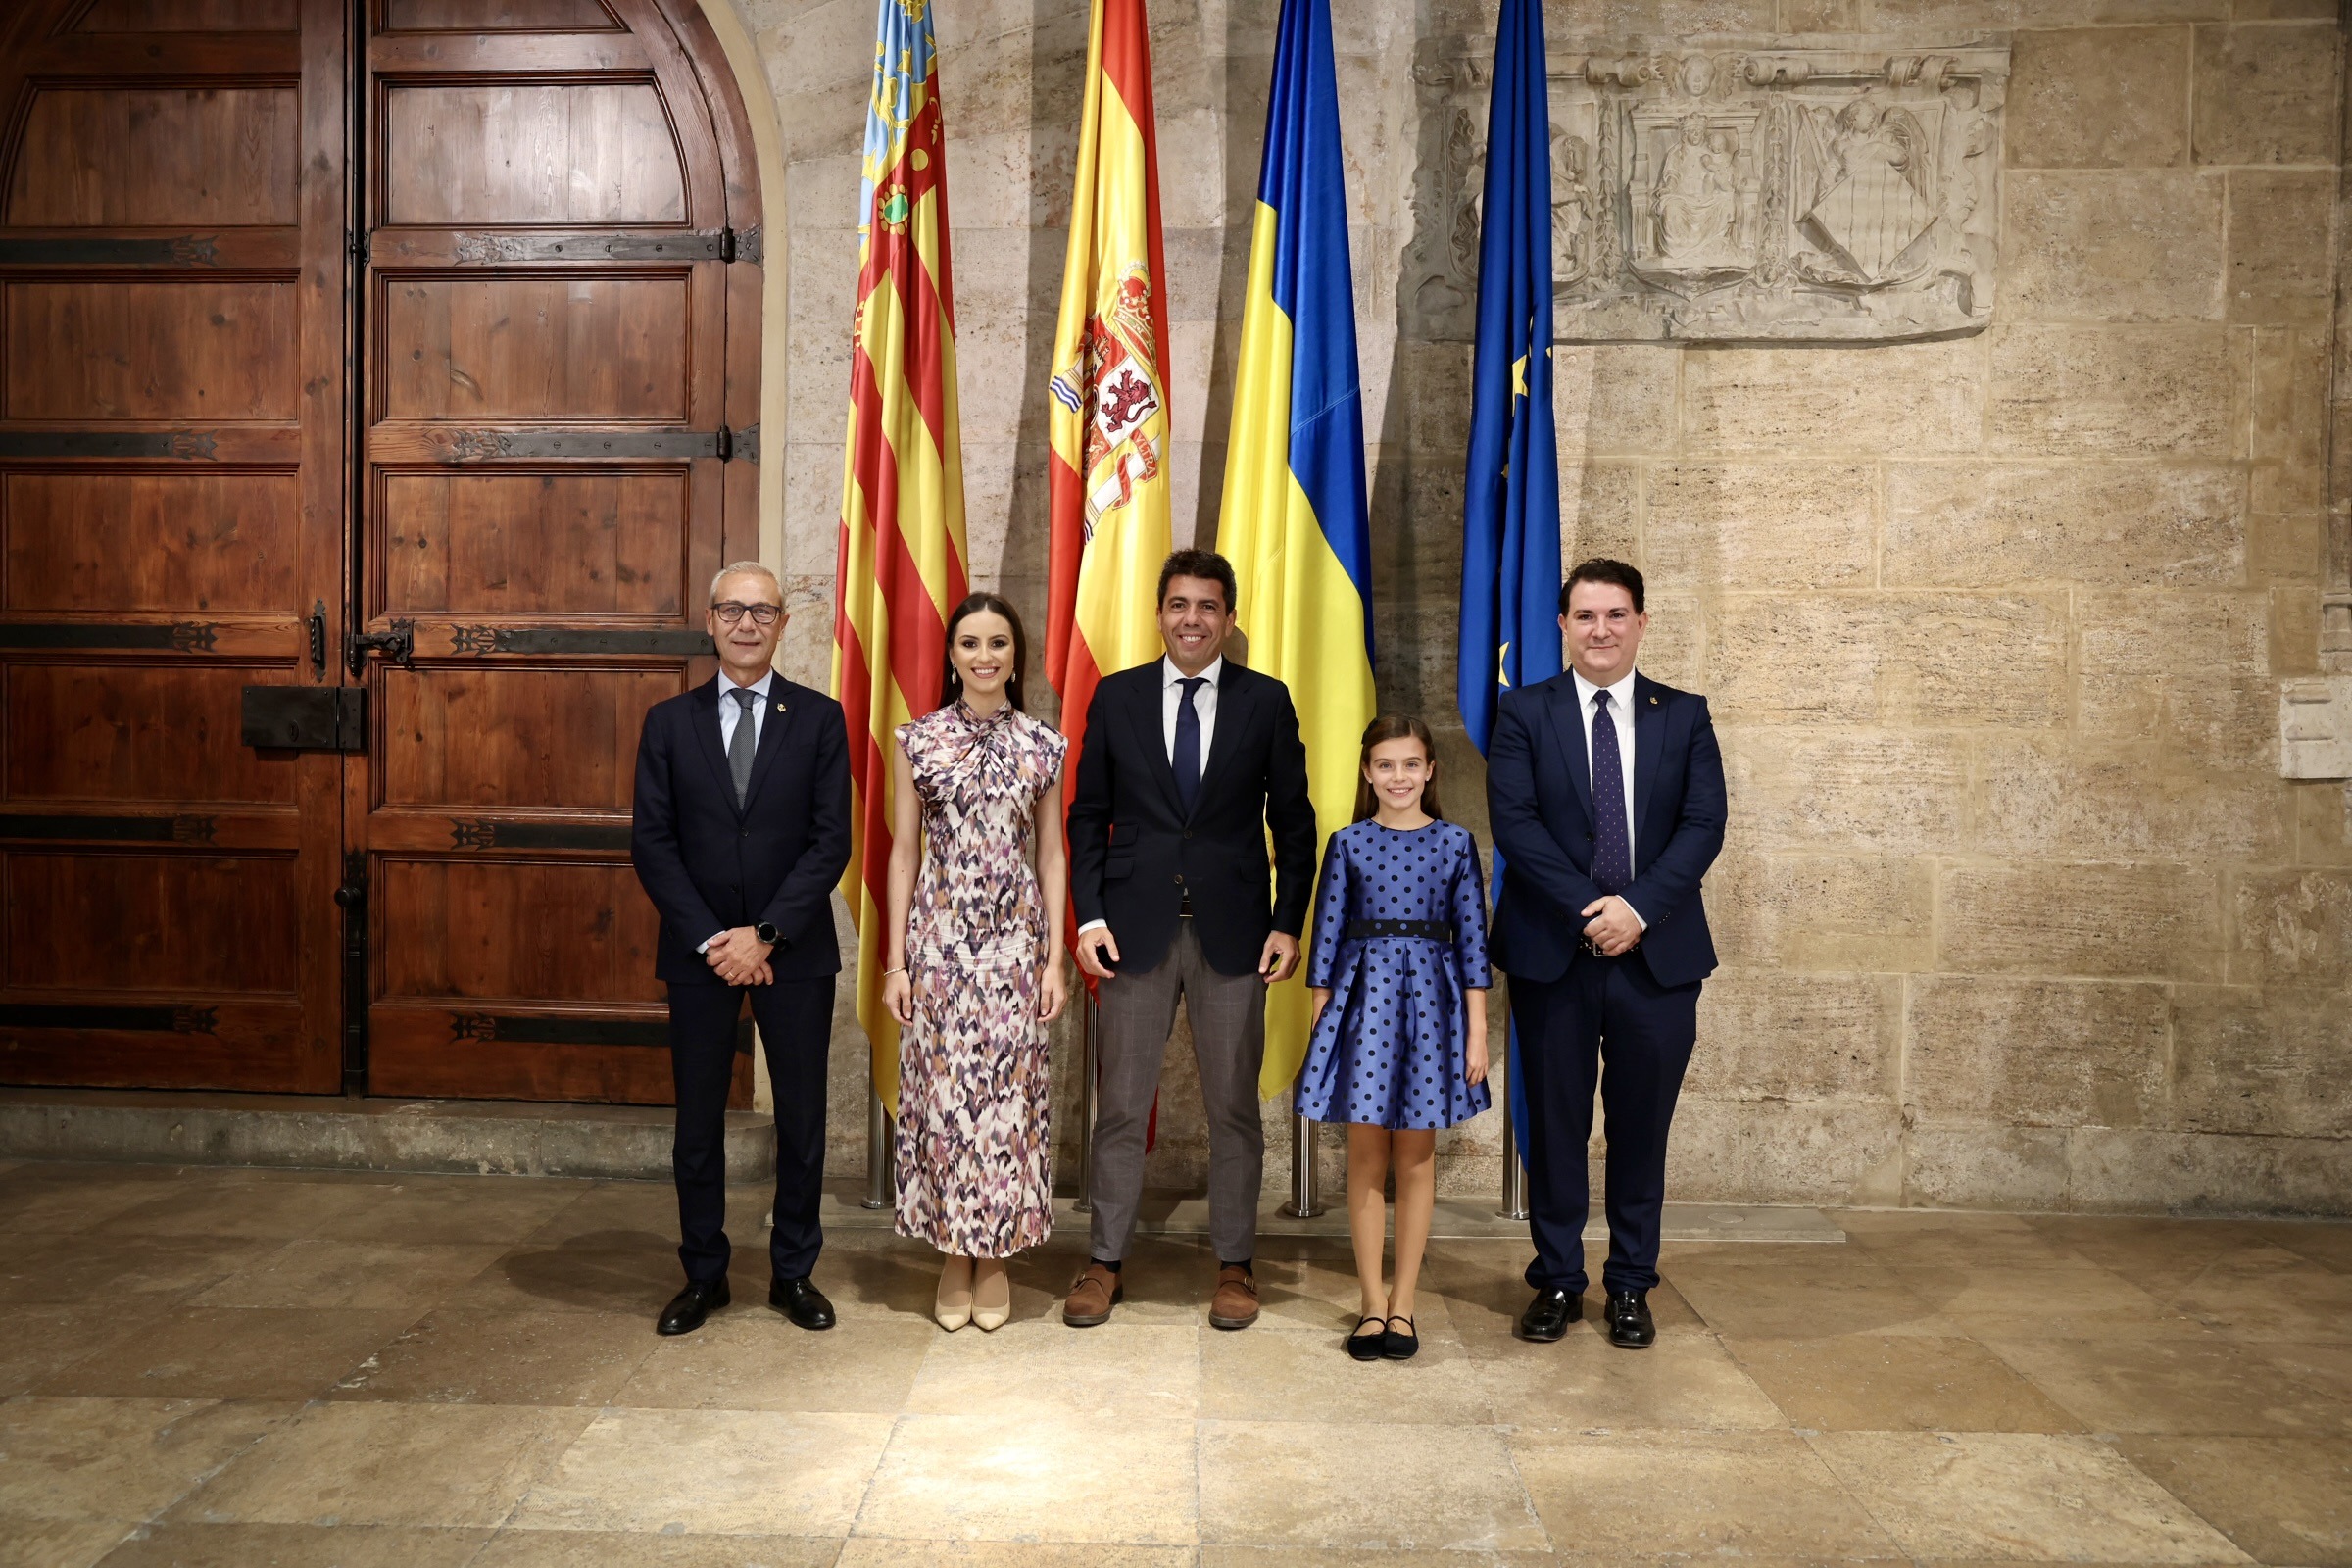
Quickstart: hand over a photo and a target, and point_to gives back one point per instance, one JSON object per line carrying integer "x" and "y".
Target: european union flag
{"x": 1511, "y": 500}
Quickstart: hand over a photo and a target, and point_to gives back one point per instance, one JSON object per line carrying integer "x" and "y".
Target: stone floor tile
{"x": 1897, "y": 1382}
{"x": 456, "y": 1209}
{"x": 1312, "y": 1286}
{"x": 383, "y": 1275}
{"x": 1311, "y": 1376}
{"x": 1693, "y": 1493}
{"x": 196, "y": 1546}
{"x": 599, "y": 1272}
{"x": 1361, "y": 1486}
{"x": 2077, "y": 1301}
{"x": 1939, "y": 1237}
{"x": 1806, "y": 1303}
{"x": 26, "y": 1542}
{"x": 2270, "y": 1294}
{"x": 100, "y": 1267}
{"x": 38, "y": 1342}
{"x": 2184, "y": 1387}
{"x": 2147, "y": 1250}
{"x": 901, "y": 1280}
{"x": 875, "y": 1551}
{"x": 713, "y": 1472}
{"x": 579, "y": 1548}
{"x": 610, "y": 1213}
{"x": 2018, "y": 1495}
{"x": 1584, "y": 1383}
{"x": 459, "y": 1466}
{"x": 236, "y": 1352}
{"x": 1376, "y": 1558}
{"x": 278, "y": 1209}
{"x": 2322, "y": 1241}
{"x": 1128, "y": 1482}
{"x": 752, "y": 1358}
{"x": 70, "y": 1198}
{"x": 459, "y": 1356}
{"x": 1045, "y": 1372}
{"x": 1484, "y": 1310}
{"x": 126, "y": 1459}
{"x": 2281, "y": 1500}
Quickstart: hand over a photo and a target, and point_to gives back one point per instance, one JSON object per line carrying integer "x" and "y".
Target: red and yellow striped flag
{"x": 901, "y": 562}
{"x": 1109, "y": 415}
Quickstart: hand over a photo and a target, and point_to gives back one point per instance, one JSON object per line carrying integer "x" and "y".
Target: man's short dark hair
{"x": 1601, "y": 568}
{"x": 1203, "y": 563}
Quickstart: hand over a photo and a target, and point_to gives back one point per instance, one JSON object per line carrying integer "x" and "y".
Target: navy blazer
{"x": 1540, "y": 805}
{"x": 711, "y": 865}
{"x": 1134, "y": 853}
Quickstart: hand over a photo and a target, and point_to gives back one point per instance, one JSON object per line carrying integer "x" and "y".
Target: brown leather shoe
{"x": 1235, "y": 1305}
{"x": 1092, "y": 1297}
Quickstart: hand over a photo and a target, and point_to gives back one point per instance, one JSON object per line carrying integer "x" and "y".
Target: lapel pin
{"x": 1653, "y": 702}
{"x": 780, "y": 705}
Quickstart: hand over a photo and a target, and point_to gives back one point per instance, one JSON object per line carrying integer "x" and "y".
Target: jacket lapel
{"x": 1145, "y": 713}
{"x": 1649, "y": 744}
{"x": 702, "y": 712}
{"x": 1568, "y": 729}
{"x": 1235, "y": 704}
{"x": 773, "y": 724}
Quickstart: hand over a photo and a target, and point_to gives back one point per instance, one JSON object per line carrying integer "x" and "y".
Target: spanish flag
{"x": 1109, "y": 412}
{"x": 901, "y": 562}
{"x": 1293, "y": 522}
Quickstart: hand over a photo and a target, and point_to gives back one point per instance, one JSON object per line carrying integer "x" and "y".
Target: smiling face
{"x": 1194, "y": 622}
{"x": 746, "y": 649}
{"x": 1603, "y": 630}
{"x": 1398, "y": 771}
{"x": 983, "y": 655}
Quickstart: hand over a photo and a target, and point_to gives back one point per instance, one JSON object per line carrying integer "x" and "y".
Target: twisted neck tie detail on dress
{"x": 1612, "y": 845}
{"x": 744, "y": 742}
{"x": 1187, "y": 761}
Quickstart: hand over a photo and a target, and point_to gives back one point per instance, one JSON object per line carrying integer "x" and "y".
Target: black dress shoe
{"x": 697, "y": 1301}
{"x": 1404, "y": 1347}
{"x": 1549, "y": 1315}
{"x": 1630, "y": 1327}
{"x": 802, "y": 1301}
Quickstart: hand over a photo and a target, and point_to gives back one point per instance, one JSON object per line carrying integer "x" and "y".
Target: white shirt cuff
{"x": 1093, "y": 925}
{"x": 1637, "y": 920}
{"x": 705, "y": 949}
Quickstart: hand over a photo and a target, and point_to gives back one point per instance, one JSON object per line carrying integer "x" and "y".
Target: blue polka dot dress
{"x": 1401, "y": 932}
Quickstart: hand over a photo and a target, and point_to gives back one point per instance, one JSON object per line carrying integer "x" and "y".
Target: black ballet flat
{"x": 1399, "y": 1346}
{"x": 1369, "y": 1346}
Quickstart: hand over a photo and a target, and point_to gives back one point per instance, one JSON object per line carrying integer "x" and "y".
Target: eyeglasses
{"x": 729, "y": 612}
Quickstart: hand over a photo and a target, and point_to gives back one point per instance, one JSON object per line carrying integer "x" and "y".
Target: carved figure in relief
{"x": 1693, "y": 202}
{"x": 1575, "y": 209}
{"x": 1871, "y": 205}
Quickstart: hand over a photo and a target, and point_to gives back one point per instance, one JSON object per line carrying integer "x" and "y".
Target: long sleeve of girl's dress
{"x": 1330, "y": 915}
{"x": 1470, "y": 918}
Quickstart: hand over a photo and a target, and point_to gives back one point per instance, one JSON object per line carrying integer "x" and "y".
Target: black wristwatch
{"x": 765, "y": 932}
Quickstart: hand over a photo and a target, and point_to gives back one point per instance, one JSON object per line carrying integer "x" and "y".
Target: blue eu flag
{"x": 1511, "y": 499}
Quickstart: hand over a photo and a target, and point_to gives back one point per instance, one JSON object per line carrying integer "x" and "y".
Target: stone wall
{"x": 2015, "y": 911}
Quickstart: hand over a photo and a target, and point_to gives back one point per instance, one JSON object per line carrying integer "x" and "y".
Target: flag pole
{"x": 878, "y": 1193}
{"x": 1306, "y": 1198}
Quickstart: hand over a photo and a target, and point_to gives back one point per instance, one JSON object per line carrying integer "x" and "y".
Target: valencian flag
{"x": 1110, "y": 414}
{"x": 1511, "y": 497}
{"x": 901, "y": 562}
{"x": 1293, "y": 522}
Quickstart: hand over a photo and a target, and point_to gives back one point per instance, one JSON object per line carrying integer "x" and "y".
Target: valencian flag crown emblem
{"x": 903, "y": 556}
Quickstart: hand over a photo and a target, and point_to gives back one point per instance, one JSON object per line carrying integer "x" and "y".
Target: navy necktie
{"x": 1612, "y": 845}
{"x": 1187, "y": 761}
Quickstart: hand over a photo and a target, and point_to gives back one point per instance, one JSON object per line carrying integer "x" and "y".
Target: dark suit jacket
{"x": 1540, "y": 805}
{"x": 1134, "y": 854}
{"x": 711, "y": 866}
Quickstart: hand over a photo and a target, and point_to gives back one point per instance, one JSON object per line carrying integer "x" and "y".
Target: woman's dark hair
{"x": 950, "y": 681}
{"x": 1394, "y": 727}
{"x": 1602, "y": 570}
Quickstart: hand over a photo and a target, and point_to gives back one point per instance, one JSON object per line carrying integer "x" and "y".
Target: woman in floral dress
{"x": 975, "y": 964}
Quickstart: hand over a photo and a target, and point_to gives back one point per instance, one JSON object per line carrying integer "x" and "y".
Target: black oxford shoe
{"x": 687, "y": 1309}
{"x": 1630, "y": 1327}
{"x": 802, "y": 1301}
{"x": 1549, "y": 1315}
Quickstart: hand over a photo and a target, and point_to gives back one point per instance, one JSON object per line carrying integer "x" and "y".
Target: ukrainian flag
{"x": 1293, "y": 522}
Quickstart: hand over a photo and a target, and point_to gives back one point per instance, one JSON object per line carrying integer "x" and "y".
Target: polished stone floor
{"x": 253, "y": 1368}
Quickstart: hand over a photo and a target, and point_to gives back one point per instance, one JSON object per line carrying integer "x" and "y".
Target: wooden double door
{"x": 378, "y": 387}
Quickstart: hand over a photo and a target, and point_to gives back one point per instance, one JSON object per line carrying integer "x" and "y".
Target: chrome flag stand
{"x": 878, "y": 1172}
{"x": 1306, "y": 1199}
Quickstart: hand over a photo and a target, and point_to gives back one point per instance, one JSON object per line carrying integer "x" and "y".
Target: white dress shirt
{"x": 1621, "y": 715}
{"x": 730, "y": 713}
{"x": 1171, "y": 698}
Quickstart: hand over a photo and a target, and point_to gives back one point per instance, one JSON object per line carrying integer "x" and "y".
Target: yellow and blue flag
{"x": 1511, "y": 495}
{"x": 1293, "y": 522}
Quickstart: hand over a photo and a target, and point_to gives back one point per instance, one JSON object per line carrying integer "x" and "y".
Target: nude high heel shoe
{"x": 992, "y": 1297}
{"x": 954, "y": 1308}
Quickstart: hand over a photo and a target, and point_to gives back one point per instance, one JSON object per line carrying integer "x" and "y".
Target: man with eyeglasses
{"x": 742, "y": 828}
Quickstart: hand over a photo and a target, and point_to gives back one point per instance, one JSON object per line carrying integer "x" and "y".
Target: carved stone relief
{"x": 1732, "y": 190}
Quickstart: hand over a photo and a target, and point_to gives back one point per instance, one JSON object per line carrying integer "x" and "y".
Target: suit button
{"x": 1188, "y": 832}
{"x": 1180, "y": 880}
{"x": 744, "y": 833}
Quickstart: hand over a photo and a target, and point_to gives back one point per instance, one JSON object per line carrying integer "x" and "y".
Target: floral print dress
{"x": 974, "y": 1088}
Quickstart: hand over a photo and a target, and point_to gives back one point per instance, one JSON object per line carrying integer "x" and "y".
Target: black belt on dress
{"x": 1434, "y": 930}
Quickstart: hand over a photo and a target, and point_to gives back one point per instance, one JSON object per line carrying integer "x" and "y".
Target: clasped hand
{"x": 740, "y": 957}
{"x": 1611, "y": 924}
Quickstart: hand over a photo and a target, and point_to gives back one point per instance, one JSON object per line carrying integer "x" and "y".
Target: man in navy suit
{"x": 742, "y": 828}
{"x": 1605, "y": 793}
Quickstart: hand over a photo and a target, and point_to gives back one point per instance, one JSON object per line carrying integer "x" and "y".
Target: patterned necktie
{"x": 1612, "y": 846}
{"x": 1187, "y": 761}
{"x": 743, "y": 744}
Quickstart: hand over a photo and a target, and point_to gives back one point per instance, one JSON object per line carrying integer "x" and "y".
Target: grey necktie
{"x": 743, "y": 744}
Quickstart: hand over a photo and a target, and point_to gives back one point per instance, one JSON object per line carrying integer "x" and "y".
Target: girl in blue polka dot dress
{"x": 1399, "y": 975}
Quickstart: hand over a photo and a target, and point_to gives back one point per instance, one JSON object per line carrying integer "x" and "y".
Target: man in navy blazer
{"x": 1605, "y": 793}
{"x": 741, "y": 830}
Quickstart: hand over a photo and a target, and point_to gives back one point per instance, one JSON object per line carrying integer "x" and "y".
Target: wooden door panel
{"x": 169, "y": 924}
{"x": 516, "y": 929}
{"x": 571, "y": 349}
{"x": 118, "y": 731}
{"x": 191, "y": 16}
{"x": 110, "y": 542}
{"x": 491, "y": 737}
{"x": 152, "y": 351}
{"x": 563, "y": 155}
{"x": 501, "y": 545}
{"x": 531, "y": 1053}
{"x": 109, "y": 158}
{"x": 497, "y": 15}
